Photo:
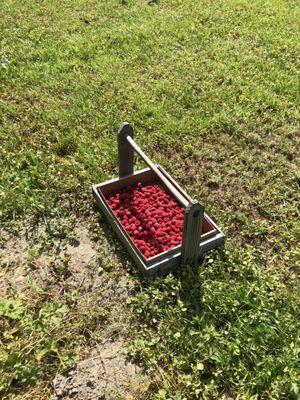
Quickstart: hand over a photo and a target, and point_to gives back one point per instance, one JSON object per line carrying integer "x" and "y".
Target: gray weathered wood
{"x": 194, "y": 242}
{"x": 164, "y": 262}
{"x": 192, "y": 230}
{"x": 125, "y": 150}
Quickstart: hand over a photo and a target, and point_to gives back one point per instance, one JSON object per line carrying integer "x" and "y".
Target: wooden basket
{"x": 200, "y": 232}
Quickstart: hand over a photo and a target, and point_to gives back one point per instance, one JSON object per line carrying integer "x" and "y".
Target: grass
{"x": 212, "y": 89}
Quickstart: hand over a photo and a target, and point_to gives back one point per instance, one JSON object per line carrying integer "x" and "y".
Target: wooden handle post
{"x": 192, "y": 230}
{"x": 125, "y": 150}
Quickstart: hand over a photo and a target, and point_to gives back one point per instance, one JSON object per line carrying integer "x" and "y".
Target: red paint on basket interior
{"x": 150, "y": 215}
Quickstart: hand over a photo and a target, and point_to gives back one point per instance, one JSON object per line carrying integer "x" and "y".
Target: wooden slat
{"x": 192, "y": 229}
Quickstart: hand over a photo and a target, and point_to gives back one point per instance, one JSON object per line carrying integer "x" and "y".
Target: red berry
{"x": 152, "y": 218}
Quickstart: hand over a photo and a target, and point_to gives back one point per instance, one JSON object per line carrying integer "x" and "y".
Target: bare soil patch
{"x": 64, "y": 259}
{"x": 102, "y": 372}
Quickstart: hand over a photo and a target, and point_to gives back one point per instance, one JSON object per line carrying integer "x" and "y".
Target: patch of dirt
{"x": 102, "y": 373}
{"x": 65, "y": 258}
{"x": 13, "y": 262}
{"x": 71, "y": 259}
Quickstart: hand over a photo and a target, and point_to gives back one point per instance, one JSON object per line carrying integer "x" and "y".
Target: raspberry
{"x": 151, "y": 217}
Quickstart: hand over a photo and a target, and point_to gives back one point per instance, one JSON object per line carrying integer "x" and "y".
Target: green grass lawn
{"x": 212, "y": 89}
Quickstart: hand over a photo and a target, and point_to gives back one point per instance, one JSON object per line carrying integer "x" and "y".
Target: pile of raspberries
{"x": 150, "y": 215}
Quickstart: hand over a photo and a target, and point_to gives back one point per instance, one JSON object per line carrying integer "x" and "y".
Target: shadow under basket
{"x": 163, "y": 262}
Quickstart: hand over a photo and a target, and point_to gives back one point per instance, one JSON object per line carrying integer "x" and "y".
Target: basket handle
{"x": 194, "y": 211}
{"x": 126, "y": 146}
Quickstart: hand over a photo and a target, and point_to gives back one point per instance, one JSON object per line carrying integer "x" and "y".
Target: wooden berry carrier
{"x": 200, "y": 232}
